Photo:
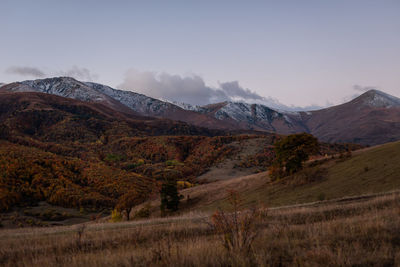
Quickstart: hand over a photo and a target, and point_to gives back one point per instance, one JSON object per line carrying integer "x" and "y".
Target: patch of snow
{"x": 249, "y": 113}
{"x": 184, "y": 106}
{"x": 375, "y": 98}
{"x": 94, "y": 92}
{"x": 137, "y": 102}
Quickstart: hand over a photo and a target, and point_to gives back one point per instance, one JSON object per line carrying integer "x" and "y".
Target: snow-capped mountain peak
{"x": 378, "y": 99}
{"x": 94, "y": 92}
{"x": 63, "y": 86}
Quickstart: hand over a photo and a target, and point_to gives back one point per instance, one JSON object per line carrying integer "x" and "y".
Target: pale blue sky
{"x": 299, "y": 52}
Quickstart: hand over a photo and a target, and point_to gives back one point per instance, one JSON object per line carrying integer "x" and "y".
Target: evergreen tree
{"x": 170, "y": 197}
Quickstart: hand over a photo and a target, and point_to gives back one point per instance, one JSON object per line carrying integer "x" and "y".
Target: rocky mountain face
{"x": 369, "y": 119}
{"x": 255, "y": 117}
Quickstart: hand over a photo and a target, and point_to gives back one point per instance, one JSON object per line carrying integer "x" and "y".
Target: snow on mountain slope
{"x": 376, "y": 98}
{"x": 255, "y": 116}
{"x": 246, "y": 112}
{"x": 236, "y": 114}
{"x": 124, "y": 101}
{"x": 371, "y": 118}
{"x": 66, "y": 87}
{"x": 93, "y": 92}
{"x": 138, "y": 102}
{"x": 186, "y": 106}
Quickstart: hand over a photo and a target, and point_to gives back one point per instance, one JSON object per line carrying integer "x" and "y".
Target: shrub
{"x": 116, "y": 216}
{"x": 276, "y": 172}
{"x": 307, "y": 175}
{"x": 114, "y": 158}
{"x": 80, "y": 229}
{"x": 237, "y": 229}
{"x": 143, "y": 212}
{"x": 184, "y": 184}
{"x": 173, "y": 162}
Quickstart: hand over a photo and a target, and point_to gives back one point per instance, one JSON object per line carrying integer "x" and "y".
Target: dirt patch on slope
{"x": 230, "y": 167}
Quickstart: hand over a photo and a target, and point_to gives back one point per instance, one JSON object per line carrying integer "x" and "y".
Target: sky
{"x": 293, "y": 53}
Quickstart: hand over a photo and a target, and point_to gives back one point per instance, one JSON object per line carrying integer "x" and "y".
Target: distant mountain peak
{"x": 378, "y": 99}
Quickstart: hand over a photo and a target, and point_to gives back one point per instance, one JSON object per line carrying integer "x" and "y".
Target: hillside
{"x": 367, "y": 171}
{"x": 77, "y": 154}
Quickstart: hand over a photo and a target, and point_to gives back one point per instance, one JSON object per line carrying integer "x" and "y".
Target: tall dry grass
{"x": 359, "y": 233}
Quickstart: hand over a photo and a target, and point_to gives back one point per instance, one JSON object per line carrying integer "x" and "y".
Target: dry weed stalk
{"x": 237, "y": 229}
{"x": 79, "y": 231}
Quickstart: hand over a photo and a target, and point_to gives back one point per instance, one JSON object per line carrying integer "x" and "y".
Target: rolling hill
{"x": 367, "y": 171}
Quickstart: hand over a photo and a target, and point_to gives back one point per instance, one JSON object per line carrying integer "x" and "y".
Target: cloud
{"x": 79, "y": 73}
{"x": 191, "y": 89}
{"x": 363, "y": 89}
{"x": 26, "y": 71}
{"x": 234, "y": 90}
{"x": 359, "y": 91}
{"x": 76, "y": 72}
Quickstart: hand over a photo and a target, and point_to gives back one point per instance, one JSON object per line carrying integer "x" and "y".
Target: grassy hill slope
{"x": 367, "y": 171}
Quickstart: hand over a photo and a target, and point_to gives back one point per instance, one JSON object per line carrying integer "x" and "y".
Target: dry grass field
{"x": 363, "y": 232}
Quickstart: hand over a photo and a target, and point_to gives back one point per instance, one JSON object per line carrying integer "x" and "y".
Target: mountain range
{"x": 370, "y": 119}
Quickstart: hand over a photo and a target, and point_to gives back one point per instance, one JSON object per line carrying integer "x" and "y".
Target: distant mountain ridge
{"x": 372, "y": 118}
{"x": 125, "y": 101}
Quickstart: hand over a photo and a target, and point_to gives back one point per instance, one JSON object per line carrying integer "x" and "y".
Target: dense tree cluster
{"x": 98, "y": 175}
{"x": 291, "y": 151}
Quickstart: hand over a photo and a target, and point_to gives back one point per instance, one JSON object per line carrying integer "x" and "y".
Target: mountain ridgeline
{"x": 370, "y": 119}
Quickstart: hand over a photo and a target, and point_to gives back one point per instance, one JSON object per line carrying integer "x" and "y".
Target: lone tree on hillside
{"x": 169, "y": 194}
{"x": 170, "y": 197}
{"x": 291, "y": 152}
{"x": 130, "y": 199}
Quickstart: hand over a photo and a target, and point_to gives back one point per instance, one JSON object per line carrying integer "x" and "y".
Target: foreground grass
{"x": 358, "y": 233}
